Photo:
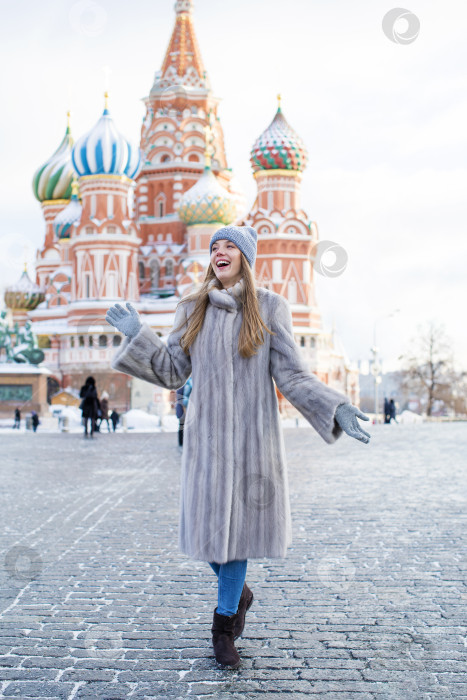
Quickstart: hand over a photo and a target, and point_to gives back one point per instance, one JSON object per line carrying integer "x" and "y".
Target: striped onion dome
{"x": 69, "y": 216}
{"x": 207, "y": 202}
{"x": 24, "y": 295}
{"x": 104, "y": 151}
{"x": 279, "y": 147}
{"x": 53, "y": 179}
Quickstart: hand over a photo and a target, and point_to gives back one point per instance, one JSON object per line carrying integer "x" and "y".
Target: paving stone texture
{"x": 98, "y": 603}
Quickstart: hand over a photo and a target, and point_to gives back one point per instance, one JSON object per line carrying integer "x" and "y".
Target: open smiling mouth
{"x": 221, "y": 264}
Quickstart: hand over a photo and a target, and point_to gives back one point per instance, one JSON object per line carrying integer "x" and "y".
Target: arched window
{"x": 116, "y": 340}
{"x": 141, "y": 270}
{"x": 169, "y": 268}
{"x": 72, "y": 342}
{"x": 302, "y": 341}
{"x": 312, "y": 342}
{"x": 193, "y": 158}
{"x": 155, "y": 274}
{"x": 165, "y": 158}
{"x": 81, "y": 341}
{"x": 159, "y": 205}
{"x": 91, "y": 341}
{"x": 102, "y": 341}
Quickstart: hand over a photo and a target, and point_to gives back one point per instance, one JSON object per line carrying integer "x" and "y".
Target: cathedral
{"x": 134, "y": 224}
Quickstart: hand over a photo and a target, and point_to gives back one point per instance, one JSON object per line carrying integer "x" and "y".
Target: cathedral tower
{"x": 178, "y": 108}
{"x": 286, "y": 236}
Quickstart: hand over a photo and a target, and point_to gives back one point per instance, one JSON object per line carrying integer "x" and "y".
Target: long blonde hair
{"x": 251, "y": 334}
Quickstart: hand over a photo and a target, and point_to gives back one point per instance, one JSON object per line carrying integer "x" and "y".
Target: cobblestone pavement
{"x": 370, "y": 602}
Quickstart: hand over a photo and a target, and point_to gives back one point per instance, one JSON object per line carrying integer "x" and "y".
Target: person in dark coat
{"x": 387, "y": 417}
{"x": 89, "y": 405}
{"x": 392, "y": 411}
{"x": 35, "y": 420}
{"x": 17, "y": 423}
{"x": 114, "y": 417}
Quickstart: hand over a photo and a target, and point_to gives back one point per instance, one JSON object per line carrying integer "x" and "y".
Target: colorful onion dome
{"x": 25, "y": 295}
{"x": 53, "y": 179}
{"x": 104, "y": 151}
{"x": 279, "y": 147}
{"x": 207, "y": 202}
{"x": 69, "y": 216}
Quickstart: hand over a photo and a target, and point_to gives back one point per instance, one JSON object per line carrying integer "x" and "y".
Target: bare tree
{"x": 429, "y": 369}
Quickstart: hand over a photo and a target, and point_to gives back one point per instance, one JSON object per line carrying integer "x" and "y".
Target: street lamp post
{"x": 376, "y": 367}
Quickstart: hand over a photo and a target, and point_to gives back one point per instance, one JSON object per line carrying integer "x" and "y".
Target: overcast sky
{"x": 384, "y": 124}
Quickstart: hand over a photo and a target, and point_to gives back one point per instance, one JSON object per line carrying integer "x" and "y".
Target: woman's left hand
{"x": 346, "y": 416}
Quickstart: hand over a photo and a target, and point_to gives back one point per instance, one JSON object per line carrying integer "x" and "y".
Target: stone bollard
{"x": 124, "y": 423}
{"x": 65, "y": 424}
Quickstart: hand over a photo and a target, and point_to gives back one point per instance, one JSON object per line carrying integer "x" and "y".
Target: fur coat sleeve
{"x": 316, "y": 401}
{"x": 147, "y": 357}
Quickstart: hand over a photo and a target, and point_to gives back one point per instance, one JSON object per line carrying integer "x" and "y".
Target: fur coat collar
{"x": 230, "y": 299}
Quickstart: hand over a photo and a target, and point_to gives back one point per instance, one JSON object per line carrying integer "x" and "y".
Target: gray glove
{"x": 346, "y": 416}
{"x": 127, "y": 322}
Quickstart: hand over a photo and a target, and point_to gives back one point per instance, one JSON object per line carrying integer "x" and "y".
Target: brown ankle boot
{"x": 244, "y": 605}
{"x": 223, "y": 640}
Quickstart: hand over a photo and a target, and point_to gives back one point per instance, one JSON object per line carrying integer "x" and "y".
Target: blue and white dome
{"x": 70, "y": 216}
{"x": 104, "y": 151}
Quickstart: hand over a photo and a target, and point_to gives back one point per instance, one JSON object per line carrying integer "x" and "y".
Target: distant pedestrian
{"x": 183, "y": 396}
{"x": 392, "y": 411}
{"x": 17, "y": 422}
{"x": 35, "y": 420}
{"x": 89, "y": 405}
{"x": 387, "y": 416}
{"x": 104, "y": 406}
{"x": 114, "y": 417}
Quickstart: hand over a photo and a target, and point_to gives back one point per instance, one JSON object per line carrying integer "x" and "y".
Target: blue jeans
{"x": 231, "y": 577}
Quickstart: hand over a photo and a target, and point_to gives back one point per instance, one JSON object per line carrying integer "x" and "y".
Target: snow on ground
{"x": 409, "y": 417}
{"x": 138, "y": 421}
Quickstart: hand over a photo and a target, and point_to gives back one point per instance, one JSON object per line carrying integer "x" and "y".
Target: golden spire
{"x": 106, "y": 98}
{"x": 68, "y": 115}
{"x": 74, "y": 187}
{"x": 279, "y": 101}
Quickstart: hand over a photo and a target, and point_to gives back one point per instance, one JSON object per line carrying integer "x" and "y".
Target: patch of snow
{"x": 409, "y": 417}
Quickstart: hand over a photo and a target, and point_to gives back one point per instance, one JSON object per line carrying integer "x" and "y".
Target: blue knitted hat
{"x": 244, "y": 238}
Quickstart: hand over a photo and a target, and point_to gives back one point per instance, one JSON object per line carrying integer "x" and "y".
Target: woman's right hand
{"x": 127, "y": 322}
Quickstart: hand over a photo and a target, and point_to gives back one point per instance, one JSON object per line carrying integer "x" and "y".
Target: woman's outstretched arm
{"x": 144, "y": 355}
{"x": 316, "y": 401}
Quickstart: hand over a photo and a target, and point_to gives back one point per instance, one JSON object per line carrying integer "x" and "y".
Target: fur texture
{"x": 234, "y": 499}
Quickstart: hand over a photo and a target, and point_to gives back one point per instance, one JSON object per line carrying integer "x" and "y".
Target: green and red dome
{"x": 279, "y": 147}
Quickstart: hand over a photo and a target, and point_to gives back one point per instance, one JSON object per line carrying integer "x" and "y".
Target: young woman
{"x": 234, "y": 339}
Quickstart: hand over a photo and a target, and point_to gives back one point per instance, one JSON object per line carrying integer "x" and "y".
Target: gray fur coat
{"x": 234, "y": 499}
